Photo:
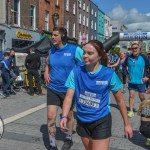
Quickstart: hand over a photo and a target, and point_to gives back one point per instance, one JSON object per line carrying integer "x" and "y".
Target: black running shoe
{"x": 52, "y": 148}
{"x": 67, "y": 144}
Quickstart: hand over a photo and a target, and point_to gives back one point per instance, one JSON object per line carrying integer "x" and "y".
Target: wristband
{"x": 63, "y": 117}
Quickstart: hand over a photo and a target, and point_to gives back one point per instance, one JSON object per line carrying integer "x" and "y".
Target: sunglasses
{"x": 135, "y": 48}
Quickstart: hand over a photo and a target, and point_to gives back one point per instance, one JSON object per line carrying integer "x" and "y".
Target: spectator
{"x": 32, "y": 63}
{"x": 5, "y": 73}
{"x": 90, "y": 85}
{"x": 63, "y": 57}
{"x": 14, "y": 70}
{"x": 119, "y": 70}
{"x": 135, "y": 68}
{"x": 144, "y": 112}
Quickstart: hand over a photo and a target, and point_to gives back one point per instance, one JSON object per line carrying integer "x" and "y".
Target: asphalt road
{"x": 25, "y": 125}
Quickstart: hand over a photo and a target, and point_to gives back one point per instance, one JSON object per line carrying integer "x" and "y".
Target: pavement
{"x": 25, "y": 125}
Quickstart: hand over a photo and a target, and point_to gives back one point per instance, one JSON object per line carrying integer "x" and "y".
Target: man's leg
{"x": 38, "y": 81}
{"x": 51, "y": 123}
{"x": 30, "y": 78}
{"x": 141, "y": 96}
{"x": 141, "y": 90}
{"x": 131, "y": 102}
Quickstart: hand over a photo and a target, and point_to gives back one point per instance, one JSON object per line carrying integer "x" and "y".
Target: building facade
{"x": 83, "y": 10}
{"x": 101, "y": 26}
{"x": 93, "y": 21}
{"x": 108, "y": 27}
{"x": 19, "y": 29}
{"x": 70, "y": 17}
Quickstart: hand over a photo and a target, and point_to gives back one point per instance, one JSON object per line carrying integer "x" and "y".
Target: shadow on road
{"x": 59, "y": 135}
{"x": 117, "y": 106}
{"x": 139, "y": 139}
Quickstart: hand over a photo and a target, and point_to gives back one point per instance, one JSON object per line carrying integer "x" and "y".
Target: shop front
{"x": 17, "y": 37}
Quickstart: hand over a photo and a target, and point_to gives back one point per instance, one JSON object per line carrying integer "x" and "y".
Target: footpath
{"x": 25, "y": 125}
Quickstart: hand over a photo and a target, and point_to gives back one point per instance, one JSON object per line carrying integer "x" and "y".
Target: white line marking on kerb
{"x": 23, "y": 114}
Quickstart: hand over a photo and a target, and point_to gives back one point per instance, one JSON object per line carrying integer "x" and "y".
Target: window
{"x": 80, "y": 37}
{"x": 87, "y": 36}
{"x": 74, "y": 8}
{"x": 92, "y": 24}
{"x": 79, "y": 2}
{"x": 74, "y": 30}
{"x": 32, "y": 17}
{"x": 67, "y": 26}
{"x": 16, "y": 13}
{"x": 83, "y": 6}
{"x": 83, "y": 20}
{"x": 67, "y": 5}
{"x": 80, "y": 18}
{"x": 87, "y": 8}
{"x": 95, "y": 14}
{"x": 57, "y": 3}
{"x": 95, "y": 26}
{"x": 87, "y": 21}
{"x": 46, "y": 20}
{"x": 92, "y": 12}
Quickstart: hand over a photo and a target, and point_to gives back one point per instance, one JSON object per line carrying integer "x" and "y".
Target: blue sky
{"x": 133, "y": 13}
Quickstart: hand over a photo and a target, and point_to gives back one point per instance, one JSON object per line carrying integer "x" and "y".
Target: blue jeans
{"x": 6, "y": 82}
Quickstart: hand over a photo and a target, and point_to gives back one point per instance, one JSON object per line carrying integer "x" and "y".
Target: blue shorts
{"x": 138, "y": 87}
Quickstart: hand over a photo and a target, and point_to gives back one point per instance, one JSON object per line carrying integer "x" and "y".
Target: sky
{"x": 135, "y": 14}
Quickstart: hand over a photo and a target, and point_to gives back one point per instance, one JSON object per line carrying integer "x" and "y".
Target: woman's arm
{"x": 123, "y": 110}
{"x": 66, "y": 107}
{"x": 116, "y": 64}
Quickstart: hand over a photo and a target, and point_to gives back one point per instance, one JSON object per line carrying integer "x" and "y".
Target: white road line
{"x": 23, "y": 114}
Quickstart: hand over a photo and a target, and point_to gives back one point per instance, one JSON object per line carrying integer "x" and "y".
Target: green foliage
{"x": 115, "y": 50}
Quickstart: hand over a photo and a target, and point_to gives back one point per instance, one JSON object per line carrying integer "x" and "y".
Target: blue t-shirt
{"x": 62, "y": 61}
{"x": 92, "y": 91}
{"x": 136, "y": 68}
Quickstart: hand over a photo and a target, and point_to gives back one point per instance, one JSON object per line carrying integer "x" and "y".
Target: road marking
{"x": 23, "y": 114}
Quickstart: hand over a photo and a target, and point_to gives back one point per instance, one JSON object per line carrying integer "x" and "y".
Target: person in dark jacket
{"x": 33, "y": 64}
{"x": 5, "y": 73}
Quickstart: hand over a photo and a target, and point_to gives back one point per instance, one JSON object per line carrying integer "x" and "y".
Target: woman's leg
{"x": 100, "y": 144}
{"x": 87, "y": 143}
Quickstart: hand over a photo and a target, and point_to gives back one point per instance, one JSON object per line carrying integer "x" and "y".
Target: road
{"x": 26, "y": 129}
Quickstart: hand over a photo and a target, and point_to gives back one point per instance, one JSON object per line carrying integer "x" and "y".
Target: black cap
{"x": 6, "y": 54}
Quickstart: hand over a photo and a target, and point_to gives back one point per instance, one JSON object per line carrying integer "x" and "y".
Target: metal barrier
{"x": 20, "y": 82}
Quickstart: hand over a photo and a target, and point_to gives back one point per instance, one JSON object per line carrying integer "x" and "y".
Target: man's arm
{"x": 47, "y": 71}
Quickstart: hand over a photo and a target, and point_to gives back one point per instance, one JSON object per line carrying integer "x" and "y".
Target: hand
{"x": 63, "y": 123}
{"x": 128, "y": 77}
{"x": 128, "y": 131}
{"x": 145, "y": 79}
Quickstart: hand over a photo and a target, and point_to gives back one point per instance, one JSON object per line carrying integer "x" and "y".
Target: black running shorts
{"x": 99, "y": 129}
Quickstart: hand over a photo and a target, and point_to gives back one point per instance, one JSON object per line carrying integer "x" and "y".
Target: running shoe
{"x": 130, "y": 114}
{"x": 148, "y": 142}
{"x": 52, "y": 148}
{"x": 67, "y": 144}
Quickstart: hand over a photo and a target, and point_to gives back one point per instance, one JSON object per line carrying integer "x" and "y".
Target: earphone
{"x": 64, "y": 34}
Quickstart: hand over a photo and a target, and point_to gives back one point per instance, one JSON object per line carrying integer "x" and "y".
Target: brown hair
{"x": 100, "y": 49}
{"x": 63, "y": 33}
{"x": 143, "y": 104}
